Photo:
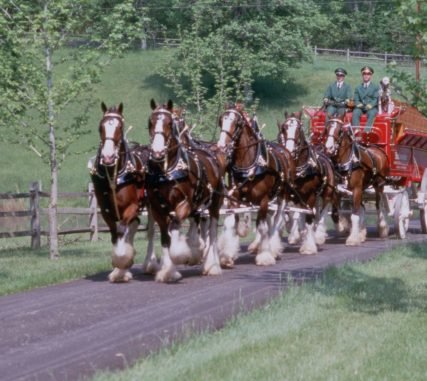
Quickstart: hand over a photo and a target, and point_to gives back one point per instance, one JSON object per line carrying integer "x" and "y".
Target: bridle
{"x": 236, "y": 133}
{"x": 167, "y": 137}
{"x": 296, "y": 139}
{"x": 108, "y": 116}
{"x": 337, "y": 140}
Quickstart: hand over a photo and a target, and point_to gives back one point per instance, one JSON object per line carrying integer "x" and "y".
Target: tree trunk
{"x": 53, "y": 201}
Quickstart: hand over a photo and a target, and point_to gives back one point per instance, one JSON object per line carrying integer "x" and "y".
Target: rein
{"x": 113, "y": 186}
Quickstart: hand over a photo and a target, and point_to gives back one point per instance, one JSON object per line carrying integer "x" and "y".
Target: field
{"x": 133, "y": 80}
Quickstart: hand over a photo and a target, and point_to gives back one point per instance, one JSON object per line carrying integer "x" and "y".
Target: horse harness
{"x": 260, "y": 165}
{"x": 354, "y": 160}
{"x": 186, "y": 160}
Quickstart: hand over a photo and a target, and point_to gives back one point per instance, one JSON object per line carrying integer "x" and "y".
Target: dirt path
{"x": 69, "y": 331}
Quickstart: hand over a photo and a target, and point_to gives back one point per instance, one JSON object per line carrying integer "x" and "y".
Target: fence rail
{"x": 35, "y": 212}
{"x": 349, "y": 55}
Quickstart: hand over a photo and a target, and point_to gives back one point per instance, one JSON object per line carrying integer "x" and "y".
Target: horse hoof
{"x": 253, "y": 247}
{"x": 119, "y": 276}
{"x": 151, "y": 269}
{"x": 351, "y": 242}
{"x": 213, "y": 270}
{"x": 308, "y": 251}
{"x": 167, "y": 277}
{"x": 227, "y": 263}
{"x": 265, "y": 259}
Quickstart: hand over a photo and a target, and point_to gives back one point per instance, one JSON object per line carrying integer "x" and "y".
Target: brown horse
{"x": 358, "y": 167}
{"x": 118, "y": 177}
{"x": 228, "y": 242}
{"x": 181, "y": 183}
{"x": 314, "y": 183}
{"x": 259, "y": 172}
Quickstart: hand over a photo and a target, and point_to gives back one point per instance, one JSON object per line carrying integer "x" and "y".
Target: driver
{"x": 338, "y": 95}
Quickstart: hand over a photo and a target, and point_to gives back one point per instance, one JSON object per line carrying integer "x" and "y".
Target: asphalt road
{"x": 69, "y": 331}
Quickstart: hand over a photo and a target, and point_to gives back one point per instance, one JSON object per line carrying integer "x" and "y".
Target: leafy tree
{"x": 232, "y": 43}
{"x": 413, "y": 16}
{"x": 367, "y": 25}
{"x": 42, "y": 77}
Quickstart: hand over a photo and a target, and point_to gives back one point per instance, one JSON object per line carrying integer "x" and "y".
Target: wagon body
{"x": 403, "y": 137}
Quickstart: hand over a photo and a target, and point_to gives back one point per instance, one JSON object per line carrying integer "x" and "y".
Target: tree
{"x": 46, "y": 70}
{"x": 234, "y": 43}
{"x": 413, "y": 15}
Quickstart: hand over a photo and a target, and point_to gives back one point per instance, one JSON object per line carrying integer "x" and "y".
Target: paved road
{"x": 68, "y": 331}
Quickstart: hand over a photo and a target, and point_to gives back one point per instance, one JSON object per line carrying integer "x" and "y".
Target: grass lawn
{"x": 360, "y": 322}
{"x": 134, "y": 80}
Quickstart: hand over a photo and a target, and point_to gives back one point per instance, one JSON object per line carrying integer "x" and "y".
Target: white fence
{"x": 352, "y": 55}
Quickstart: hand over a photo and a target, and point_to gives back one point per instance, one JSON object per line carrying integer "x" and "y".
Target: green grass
{"x": 360, "y": 322}
{"x": 23, "y": 269}
{"x": 134, "y": 80}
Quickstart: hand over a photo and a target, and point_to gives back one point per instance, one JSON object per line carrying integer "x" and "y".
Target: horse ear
{"x": 286, "y": 115}
{"x": 153, "y": 104}
{"x": 103, "y": 107}
{"x": 298, "y": 115}
{"x": 170, "y": 105}
{"x": 120, "y": 110}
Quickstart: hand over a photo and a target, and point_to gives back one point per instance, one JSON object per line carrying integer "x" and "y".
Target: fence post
{"x": 385, "y": 58}
{"x": 315, "y": 51}
{"x": 93, "y": 217}
{"x": 348, "y": 55}
{"x": 35, "y": 189}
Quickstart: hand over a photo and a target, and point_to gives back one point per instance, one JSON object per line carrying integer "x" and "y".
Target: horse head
{"x": 290, "y": 131}
{"x": 162, "y": 129}
{"x": 334, "y": 131}
{"x": 111, "y": 133}
{"x": 231, "y": 123}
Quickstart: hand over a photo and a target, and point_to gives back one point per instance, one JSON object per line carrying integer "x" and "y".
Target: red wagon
{"x": 403, "y": 136}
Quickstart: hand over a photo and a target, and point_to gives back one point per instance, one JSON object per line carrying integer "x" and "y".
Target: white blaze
{"x": 291, "y": 135}
{"x": 330, "y": 140}
{"x": 110, "y": 128}
{"x": 158, "y": 144}
{"x": 227, "y": 122}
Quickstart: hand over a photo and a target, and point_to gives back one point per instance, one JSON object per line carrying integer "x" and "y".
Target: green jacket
{"x": 366, "y": 98}
{"x": 336, "y": 94}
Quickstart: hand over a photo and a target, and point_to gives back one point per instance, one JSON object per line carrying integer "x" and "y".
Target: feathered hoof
{"x": 362, "y": 235}
{"x": 320, "y": 237}
{"x": 212, "y": 270}
{"x": 294, "y": 239}
{"x": 351, "y": 241}
{"x": 226, "y": 262}
{"x": 308, "y": 250}
{"x": 152, "y": 268}
{"x": 253, "y": 247}
{"x": 167, "y": 276}
{"x": 265, "y": 259}
{"x": 383, "y": 231}
{"x": 119, "y": 276}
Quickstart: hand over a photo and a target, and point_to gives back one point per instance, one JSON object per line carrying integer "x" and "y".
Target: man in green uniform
{"x": 337, "y": 95}
{"x": 366, "y": 99}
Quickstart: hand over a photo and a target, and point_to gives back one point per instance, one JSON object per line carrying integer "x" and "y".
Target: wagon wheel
{"x": 401, "y": 214}
{"x": 422, "y": 203}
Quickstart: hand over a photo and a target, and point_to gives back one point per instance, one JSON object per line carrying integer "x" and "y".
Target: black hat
{"x": 367, "y": 68}
{"x": 340, "y": 70}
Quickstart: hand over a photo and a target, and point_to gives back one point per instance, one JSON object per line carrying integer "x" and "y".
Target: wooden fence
{"x": 35, "y": 212}
{"x": 352, "y": 55}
